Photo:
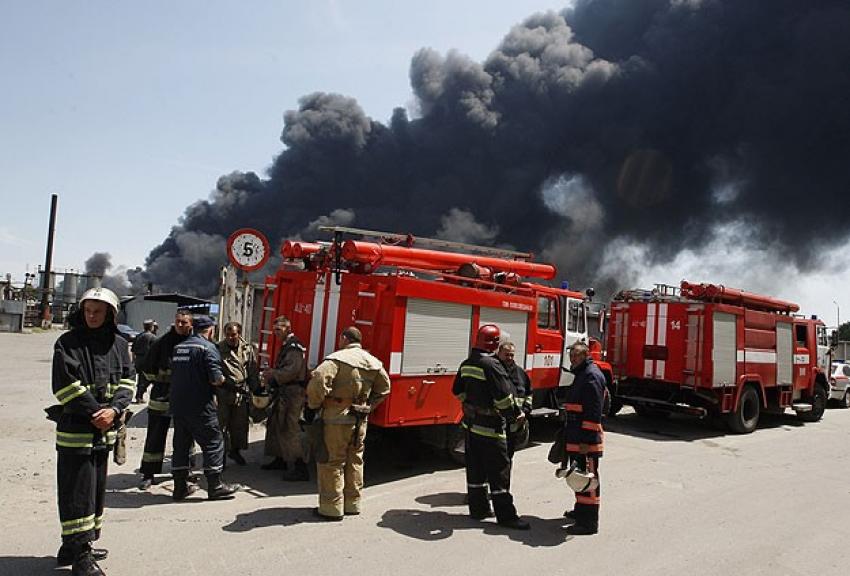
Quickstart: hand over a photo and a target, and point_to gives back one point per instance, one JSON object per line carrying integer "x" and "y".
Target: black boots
{"x": 182, "y": 488}
{"x": 66, "y": 554}
{"x": 515, "y": 524}
{"x": 84, "y": 563}
{"x": 218, "y": 490}
{"x": 298, "y": 473}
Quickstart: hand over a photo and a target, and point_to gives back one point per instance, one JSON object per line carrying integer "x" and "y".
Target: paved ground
{"x": 678, "y": 498}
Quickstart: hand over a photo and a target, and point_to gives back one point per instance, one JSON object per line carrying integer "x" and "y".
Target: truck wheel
{"x": 745, "y": 417}
{"x": 818, "y": 405}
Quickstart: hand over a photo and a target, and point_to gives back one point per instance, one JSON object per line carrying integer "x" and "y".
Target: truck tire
{"x": 818, "y": 405}
{"x": 745, "y": 417}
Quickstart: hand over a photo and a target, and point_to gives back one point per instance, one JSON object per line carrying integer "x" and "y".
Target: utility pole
{"x": 46, "y": 316}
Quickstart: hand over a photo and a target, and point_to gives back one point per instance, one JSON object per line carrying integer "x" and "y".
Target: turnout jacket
{"x": 522, "y": 387}
{"x": 91, "y": 370}
{"x": 350, "y": 376}
{"x": 157, "y": 368}
{"x": 290, "y": 366}
{"x": 486, "y": 392}
{"x": 239, "y": 366}
{"x": 584, "y": 401}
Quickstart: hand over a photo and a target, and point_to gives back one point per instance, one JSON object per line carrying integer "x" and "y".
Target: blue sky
{"x": 130, "y": 111}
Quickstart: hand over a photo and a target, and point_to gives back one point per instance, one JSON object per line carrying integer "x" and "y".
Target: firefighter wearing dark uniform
{"x": 195, "y": 370}
{"x": 157, "y": 368}
{"x": 483, "y": 387}
{"x": 94, "y": 381}
{"x": 141, "y": 346}
{"x": 584, "y": 436}
{"x": 518, "y": 431}
{"x": 287, "y": 382}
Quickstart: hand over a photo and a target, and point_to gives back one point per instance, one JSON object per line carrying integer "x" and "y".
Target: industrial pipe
{"x": 387, "y": 255}
{"x": 713, "y": 292}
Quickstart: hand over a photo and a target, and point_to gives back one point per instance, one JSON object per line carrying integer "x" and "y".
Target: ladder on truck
{"x": 265, "y": 337}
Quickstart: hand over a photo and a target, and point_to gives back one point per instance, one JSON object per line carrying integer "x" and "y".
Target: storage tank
{"x": 69, "y": 288}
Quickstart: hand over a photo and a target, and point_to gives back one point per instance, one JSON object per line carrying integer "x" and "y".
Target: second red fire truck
{"x": 710, "y": 350}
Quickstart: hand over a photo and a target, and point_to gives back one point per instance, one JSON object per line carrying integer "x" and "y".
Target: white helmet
{"x": 578, "y": 480}
{"x": 102, "y": 295}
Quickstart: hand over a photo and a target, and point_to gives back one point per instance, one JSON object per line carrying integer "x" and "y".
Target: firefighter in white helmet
{"x": 93, "y": 380}
{"x": 346, "y": 386}
{"x": 583, "y": 433}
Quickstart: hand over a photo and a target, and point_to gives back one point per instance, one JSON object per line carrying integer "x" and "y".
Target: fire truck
{"x": 710, "y": 350}
{"x": 419, "y": 310}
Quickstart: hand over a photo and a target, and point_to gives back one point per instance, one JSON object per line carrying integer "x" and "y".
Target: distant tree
{"x": 844, "y": 332}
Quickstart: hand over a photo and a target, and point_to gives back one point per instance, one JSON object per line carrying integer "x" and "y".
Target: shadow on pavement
{"x": 679, "y": 428}
{"x": 276, "y": 517}
{"x": 26, "y": 565}
{"x": 439, "y": 525}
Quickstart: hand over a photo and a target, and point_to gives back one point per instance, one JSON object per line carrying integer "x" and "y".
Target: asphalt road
{"x": 679, "y": 497}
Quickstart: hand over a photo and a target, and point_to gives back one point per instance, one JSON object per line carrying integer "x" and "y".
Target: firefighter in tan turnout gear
{"x": 94, "y": 382}
{"x": 239, "y": 365}
{"x": 286, "y": 381}
{"x": 347, "y": 385}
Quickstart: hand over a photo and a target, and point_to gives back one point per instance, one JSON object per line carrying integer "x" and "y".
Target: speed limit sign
{"x": 248, "y": 249}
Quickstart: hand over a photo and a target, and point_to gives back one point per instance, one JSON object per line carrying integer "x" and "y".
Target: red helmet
{"x": 488, "y": 337}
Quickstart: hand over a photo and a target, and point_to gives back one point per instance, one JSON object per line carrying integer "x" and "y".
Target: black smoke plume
{"x": 651, "y": 122}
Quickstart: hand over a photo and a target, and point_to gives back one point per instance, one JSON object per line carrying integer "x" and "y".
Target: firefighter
{"x": 93, "y": 380}
{"x": 157, "y": 368}
{"x": 486, "y": 393}
{"x": 141, "y": 346}
{"x": 239, "y": 362}
{"x": 286, "y": 382}
{"x": 518, "y": 431}
{"x": 196, "y": 371}
{"x": 583, "y": 433}
{"x": 346, "y": 386}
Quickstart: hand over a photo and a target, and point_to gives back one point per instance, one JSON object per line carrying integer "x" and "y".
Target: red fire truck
{"x": 710, "y": 350}
{"x": 419, "y": 310}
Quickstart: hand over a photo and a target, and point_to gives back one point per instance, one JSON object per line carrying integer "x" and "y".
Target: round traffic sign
{"x": 248, "y": 249}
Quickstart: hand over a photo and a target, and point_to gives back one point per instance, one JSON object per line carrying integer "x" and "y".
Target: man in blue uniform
{"x": 195, "y": 370}
{"x": 585, "y": 398}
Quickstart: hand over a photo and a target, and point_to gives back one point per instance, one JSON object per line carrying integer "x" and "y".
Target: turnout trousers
{"x": 488, "y": 464}
{"x": 158, "y": 422}
{"x": 283, "y": 433}
{"x": 586, "y": 510}
{"x": 204, "y": 430}
{"x": 340, "y": 479}
{"x": 81, "y": 487}
{"x": 142, "y": 384}
{"x": 233, "y": 420}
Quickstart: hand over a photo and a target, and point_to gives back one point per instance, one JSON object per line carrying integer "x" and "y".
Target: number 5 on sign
{"x": 248, "y": 249}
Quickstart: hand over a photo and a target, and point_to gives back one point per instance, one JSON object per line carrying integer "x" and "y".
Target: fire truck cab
{"x": 419, "y": 311}
{"x": 710, "y": 350}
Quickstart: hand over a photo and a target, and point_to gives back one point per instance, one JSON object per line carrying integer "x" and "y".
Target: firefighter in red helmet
{"x": 484, "y": 389}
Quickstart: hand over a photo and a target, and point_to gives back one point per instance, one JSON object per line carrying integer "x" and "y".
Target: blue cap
{"x": 202, "y": 322}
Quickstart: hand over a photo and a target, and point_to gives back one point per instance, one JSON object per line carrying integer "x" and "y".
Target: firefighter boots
{"x": 84, "y": 563}
{"x": 218, "y": 490}
{"x": 182, "y": 488}
{"x": 298, "y": 473}
{"x": 515, "y": 524}
{"x": 65, "y": 556}
{"x": 582, "y": 530}
{"x": 237, "y": 457}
